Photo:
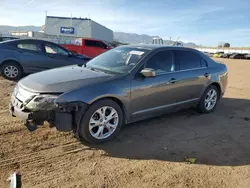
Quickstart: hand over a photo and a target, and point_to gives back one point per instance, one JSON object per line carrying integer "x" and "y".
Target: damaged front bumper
{"x": 65, "y": 117}
{"x": 31, "y": 119}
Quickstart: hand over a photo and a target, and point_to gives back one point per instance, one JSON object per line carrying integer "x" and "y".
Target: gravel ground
{"x": 146, "y": 154}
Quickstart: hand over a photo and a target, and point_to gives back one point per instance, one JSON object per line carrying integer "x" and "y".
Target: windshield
{"x": 119, "y": 60}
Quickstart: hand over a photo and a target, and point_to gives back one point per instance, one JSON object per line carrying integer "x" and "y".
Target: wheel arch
{"x": 216, "y": 84}
{"x": 11, "y": 60}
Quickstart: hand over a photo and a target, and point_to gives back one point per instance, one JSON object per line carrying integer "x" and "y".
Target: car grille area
{"x": 17, "y": 103}
{"x": 20, "y": 96}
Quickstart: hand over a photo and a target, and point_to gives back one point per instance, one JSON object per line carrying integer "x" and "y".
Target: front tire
{"x": 209, "y": 99}
{"x": 101, "y": 122}
{"x": 11, "y": 70}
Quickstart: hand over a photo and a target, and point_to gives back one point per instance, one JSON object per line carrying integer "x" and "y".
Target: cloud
{"x": 204, "y": 22}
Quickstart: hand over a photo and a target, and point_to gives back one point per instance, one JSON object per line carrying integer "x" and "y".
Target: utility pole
{"x": 71, "y": 20}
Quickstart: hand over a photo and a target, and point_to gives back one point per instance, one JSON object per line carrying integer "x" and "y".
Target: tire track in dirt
{"x": 11, "y": 131}
{"x": 44, "y": 155}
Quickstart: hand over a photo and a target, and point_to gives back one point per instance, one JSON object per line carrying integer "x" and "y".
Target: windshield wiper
{"x": 100, "y": 70}
{"x": 91, "y": 68}
{"x": 81, "y": 64}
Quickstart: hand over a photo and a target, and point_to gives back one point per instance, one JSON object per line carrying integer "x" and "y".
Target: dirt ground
{"x": 146, "y": 154}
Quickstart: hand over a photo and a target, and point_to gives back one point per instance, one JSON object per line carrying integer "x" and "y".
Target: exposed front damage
{"x": 36, "y": 108}
{"x": 40, "y": 97}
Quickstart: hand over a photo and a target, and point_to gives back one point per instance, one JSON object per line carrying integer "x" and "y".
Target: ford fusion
{"x": 126, "y": 84}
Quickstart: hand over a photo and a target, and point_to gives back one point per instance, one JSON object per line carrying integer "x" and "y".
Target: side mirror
{"x": 147, "y": 72}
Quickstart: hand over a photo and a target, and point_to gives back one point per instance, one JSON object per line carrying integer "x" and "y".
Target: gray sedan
{"x": 123, "y": 85}
{"x": 25, "y": 56}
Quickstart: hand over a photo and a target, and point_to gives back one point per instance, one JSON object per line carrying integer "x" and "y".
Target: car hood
{"x": 62, "y": 79}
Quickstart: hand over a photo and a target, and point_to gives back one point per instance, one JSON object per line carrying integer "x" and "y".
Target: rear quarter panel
{"x": 8, "y": 54}
{"x": 11, "y": 53}
{"x": 219, "y": 75}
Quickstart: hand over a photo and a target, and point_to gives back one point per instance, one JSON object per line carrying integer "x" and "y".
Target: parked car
{"x": 126, "y": 84}
{"x": 247, "y": 56}
{"x": 221, "y": 55}
{"x": 218, "y": 54}
{"x": 237, "y": 56}
{"x": 88, "y": 47}
{"x": 226, "y": 55}
{"x": 209, "y": 54}
{"x": 2, "y": 39}
{"x": 25, "y": 56}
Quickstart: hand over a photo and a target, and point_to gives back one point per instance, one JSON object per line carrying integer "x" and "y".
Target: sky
{"x": 206, "y": 22}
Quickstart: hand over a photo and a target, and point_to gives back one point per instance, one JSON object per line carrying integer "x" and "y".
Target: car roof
{"x": 29, "y": 40}
{"x": 20, "y": 40}
{"x": 36, "y": 40}
{"x": 158, "y": 46}
{"x": 8, "y": 37}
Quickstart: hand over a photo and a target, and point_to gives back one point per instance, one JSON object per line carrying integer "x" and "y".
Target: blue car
{"x": 26, "y": 56}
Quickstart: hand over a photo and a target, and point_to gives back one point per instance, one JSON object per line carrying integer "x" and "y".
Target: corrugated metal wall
{"x": 82, "y": 28}
{"x": 100, "y": 32}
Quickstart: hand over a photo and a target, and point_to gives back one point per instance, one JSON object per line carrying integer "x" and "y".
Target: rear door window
{"x": 187, "y": 59}
{"x": 100, "y": 44}
{"x": 54, "y": 49}
{"x": 92, "y": 43}
{"x": 29, "y": 46}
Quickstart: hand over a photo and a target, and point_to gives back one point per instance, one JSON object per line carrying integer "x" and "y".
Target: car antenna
{"x": 176, "y": 41}
{"x": 81, "y": 64}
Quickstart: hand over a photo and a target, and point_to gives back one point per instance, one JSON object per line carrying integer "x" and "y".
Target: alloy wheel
{"x": 11, "y": 71}
{"x": 211, "y": 99}
{"x": 103, "y": 122}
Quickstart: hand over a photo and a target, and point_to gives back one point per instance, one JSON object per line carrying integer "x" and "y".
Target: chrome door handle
{"x": 173, "y": 80}
{"x": 51, "y": 55}
{"x": 207, "y": 75}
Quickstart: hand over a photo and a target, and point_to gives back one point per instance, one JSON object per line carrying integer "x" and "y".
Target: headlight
{"x": 42, "y": 102}
{"x": 23, "y": 95}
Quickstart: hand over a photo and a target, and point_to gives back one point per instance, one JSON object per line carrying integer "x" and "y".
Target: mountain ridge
{"x": 131, "y": 38}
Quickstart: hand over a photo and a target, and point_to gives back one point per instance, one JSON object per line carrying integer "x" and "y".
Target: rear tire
{"x": 11, "y": 70}
{"x": 98, "y": 124}
{"x": 209, "y": 99}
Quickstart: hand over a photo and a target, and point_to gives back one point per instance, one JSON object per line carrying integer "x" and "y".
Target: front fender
{"x": 118, "y": 89}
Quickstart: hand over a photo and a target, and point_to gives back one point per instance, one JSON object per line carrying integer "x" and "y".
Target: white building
{"x": 225, "y": 50}
{"x": 157, "y": 40}
{"x": 76, "y": 28}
